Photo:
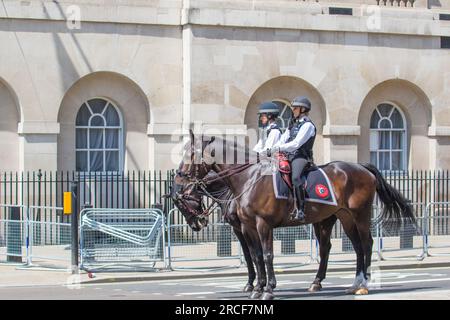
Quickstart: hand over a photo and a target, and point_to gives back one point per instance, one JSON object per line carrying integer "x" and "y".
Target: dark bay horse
{"x": 191, "y": 208}
{"x": 194, "y": 215}
{"x": 259, "y": 211}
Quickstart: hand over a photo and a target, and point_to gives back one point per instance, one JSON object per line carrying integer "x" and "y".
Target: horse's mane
{"x": 220, "y": 190}
{"x": 241, "y": 153}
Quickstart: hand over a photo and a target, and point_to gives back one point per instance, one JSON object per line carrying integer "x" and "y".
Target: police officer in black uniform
{"x": 297, "y": 141}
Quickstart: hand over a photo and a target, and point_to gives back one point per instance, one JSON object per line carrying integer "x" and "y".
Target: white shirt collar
{"x": 302, "y": 118}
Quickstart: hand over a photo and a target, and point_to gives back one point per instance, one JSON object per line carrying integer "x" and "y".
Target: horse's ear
{"x": 213, "y": 151}
{"x": 210, "y": 147}
{"x": 191, "y": 135}
{"x": 209, "y": 151}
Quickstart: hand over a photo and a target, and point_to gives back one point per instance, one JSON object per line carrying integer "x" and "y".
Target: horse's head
{"x": 188, "y": 200}
{"x": 185, "y": 191}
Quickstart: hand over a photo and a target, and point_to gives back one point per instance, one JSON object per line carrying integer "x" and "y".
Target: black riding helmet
{"x": 271, "y": 109}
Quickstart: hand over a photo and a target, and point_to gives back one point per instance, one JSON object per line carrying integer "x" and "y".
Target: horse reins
{"x": 202, "y": 183}
{"x": 228, "y": 200}
{"x": 227, "y": 173}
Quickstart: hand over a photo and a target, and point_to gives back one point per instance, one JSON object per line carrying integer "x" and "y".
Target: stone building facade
{"x": 377, "y": 73}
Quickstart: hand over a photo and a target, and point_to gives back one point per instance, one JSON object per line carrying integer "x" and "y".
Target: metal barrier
{"x": 291, "y": 245}
{"x": 124, "y": 239}
{"x": 49, "y": 240}
{"x": 14, "y": 234}
{"x": 216, "y": 243}
{"x": 437, "y": 229}
{"x": 113, "y": 239}
{"x": 407, "y": 243}
{"x": 342, "y": 251}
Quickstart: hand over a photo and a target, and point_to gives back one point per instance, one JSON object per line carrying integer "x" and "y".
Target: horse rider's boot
{"x": 300, "y": 199}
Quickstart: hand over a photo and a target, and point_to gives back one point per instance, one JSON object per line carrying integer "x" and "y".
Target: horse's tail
{"x": 396, "y": 208}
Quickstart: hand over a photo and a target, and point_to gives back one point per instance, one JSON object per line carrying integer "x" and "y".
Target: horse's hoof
{"x": 255, "y": 295}
{"x": 361, "y": 291}
{"x": 267, "y": 296}
{"x": 248, "y": 288}
{"x": 351, "y": 290}
{"x": 315, "y": 287}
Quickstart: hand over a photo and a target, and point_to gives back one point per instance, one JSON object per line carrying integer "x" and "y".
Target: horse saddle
{"x": 317, "y": 184}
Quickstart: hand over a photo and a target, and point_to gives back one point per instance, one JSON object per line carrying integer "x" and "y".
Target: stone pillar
{"x": 166, "y": 141}
{"x": 165, "y": 145}
{"x": 439, "y": 152}
{"x": 187, "y": 37}
{"x": 341, "y": 143}
{"x": 39, "y": 145}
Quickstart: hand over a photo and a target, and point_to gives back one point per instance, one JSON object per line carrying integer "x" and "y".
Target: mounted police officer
{"x": 268, "y": 113}
{"x": 297, "y": 141}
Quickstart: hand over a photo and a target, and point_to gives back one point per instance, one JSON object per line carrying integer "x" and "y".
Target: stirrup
{"x": 299, "y": 214}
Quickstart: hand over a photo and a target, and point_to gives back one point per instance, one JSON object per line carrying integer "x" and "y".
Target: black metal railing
{"x": 145, "y": 189}
{"x": 132, "y": 189}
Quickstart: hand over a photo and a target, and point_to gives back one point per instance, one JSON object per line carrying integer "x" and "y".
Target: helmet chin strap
{"x": 302, "y": 113}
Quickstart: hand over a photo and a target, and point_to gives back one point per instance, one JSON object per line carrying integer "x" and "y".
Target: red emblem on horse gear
{"x": 322, "y": 191}
{"x": 284, "y": 167}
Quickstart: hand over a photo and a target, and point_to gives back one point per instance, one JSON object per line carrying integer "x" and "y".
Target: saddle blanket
{"x": 317, "y": 185}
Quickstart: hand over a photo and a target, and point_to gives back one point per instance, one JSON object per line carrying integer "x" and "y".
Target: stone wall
{"x": 166, "y": 64}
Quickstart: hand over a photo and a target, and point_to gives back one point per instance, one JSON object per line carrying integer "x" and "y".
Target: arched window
{"x": 285, "y": 113}
{"x": 388, "y": 138}
{"x": 98, "y": 137}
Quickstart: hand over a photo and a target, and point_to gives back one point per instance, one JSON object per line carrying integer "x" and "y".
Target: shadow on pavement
{"x": 329, "y": 292}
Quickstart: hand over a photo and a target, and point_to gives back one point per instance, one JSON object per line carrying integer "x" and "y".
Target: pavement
{"x": 201, "y": 261}
{"x": 406, "y": 283}
{"x": 16, "y": 275}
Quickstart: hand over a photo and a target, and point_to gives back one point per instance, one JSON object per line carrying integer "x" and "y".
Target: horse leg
{"x": 252, "y": 239}
{"x": 265, "y": 232}
{"x": 363, "y": 224}
{"x": 351, "y": 231}
{"x": 232, "y": 218}
{"x": 248, "y": 260}
{"x": 323, "y": 234}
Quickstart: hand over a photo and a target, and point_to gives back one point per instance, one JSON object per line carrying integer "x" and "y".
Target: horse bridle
{"x": 201, "y": 186}
{"x": 185, "y": 195}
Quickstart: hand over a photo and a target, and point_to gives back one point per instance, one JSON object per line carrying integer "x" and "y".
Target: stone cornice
{"x": 341, "y": 130}
{"x": 439, "y": 131}
{"x": 130, "y": 12}
{"x": 38, "y": 127}
{"x": 225, "y": 129}
{"x": 164, "y": 129}
{"x": 409, "y": 21}
{"x": 176, "y": 129}
{"x": 237, "y": 13}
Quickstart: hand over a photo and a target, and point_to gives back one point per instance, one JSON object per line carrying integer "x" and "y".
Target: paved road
{"x": 432, "y": 283}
